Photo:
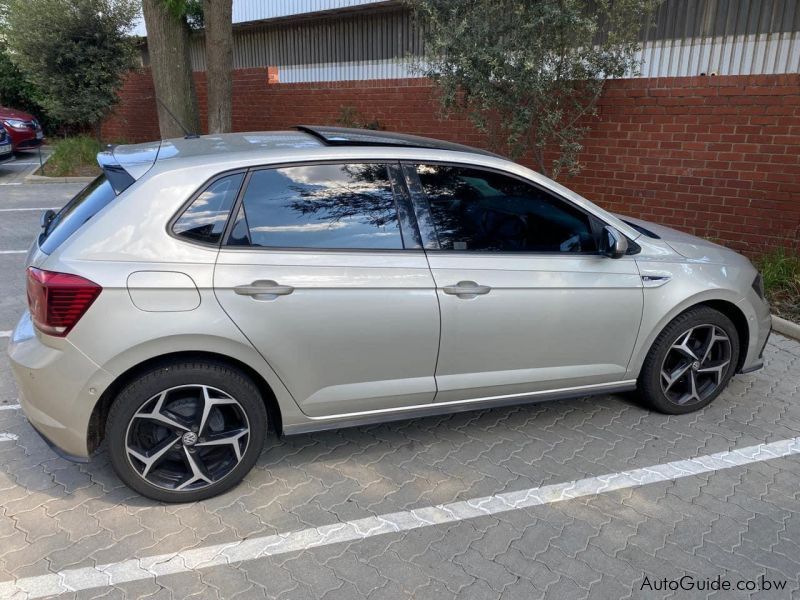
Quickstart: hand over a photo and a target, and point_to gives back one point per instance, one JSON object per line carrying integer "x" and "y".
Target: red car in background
{"x": 23, "y": 129}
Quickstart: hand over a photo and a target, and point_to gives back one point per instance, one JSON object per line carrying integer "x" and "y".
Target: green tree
{"x": 74, "y": 52}
{"x": 17, "y": 92}
{"x": 529, "y": 72}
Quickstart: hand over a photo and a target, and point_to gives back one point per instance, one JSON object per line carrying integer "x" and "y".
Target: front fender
{"x": 690, "y": 284}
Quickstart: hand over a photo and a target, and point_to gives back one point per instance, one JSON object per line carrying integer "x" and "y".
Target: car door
{"x": 527, "y": 302}
{"x": 324, "y": 272}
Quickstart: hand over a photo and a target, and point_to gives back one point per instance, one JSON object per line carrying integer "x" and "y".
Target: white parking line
{"x": 9, "y": 406}
{"x": 13, "y": 251}
{"x": 21, "y": 209}
{"x": 161, "y": 565}
{"x": 12, "y": 183}
{"x": 5, "y": 334}
{"x": 8, "y": 437}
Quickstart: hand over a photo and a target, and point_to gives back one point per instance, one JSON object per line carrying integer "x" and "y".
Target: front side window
{"x": 474, "y": 209}
{"x": 205, "y": 218}
{"x": 336, "y": 206}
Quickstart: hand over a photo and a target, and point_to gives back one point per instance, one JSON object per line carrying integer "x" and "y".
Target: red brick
{"x": 693, "y": 152}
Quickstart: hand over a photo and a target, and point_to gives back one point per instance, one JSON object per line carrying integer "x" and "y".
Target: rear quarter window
{"x": 205, "y": 218}
{"x": 89, "y": 201}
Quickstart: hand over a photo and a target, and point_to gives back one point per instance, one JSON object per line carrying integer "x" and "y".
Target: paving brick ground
{"x": 740, "y": 523}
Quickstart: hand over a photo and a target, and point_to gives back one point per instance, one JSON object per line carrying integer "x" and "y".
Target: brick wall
{"x": 713, "y": 156}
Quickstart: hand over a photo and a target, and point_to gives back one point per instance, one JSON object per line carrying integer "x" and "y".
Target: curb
{"x": 786, "y": 327}
{"x": 45, "y": 179}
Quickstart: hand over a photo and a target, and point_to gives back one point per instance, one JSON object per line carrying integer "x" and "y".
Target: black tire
{"x": 138, "y": 396}
{"x": 651, "y": 388}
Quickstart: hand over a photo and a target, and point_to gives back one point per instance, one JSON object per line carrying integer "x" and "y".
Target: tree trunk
{"x": 217, "y": 15}
{"x": 168, "y": 47}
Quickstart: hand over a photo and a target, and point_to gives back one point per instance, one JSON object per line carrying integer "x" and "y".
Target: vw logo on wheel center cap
{"x": 695, "y": 366}
{"x": 189, "y": 438}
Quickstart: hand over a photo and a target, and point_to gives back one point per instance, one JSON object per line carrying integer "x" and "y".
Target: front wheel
{"x": 186, "y": 431}
{"x": 690, "y": 362}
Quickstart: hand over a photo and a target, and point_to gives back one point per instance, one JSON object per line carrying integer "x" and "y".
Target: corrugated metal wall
{"x": 689, "y": 37}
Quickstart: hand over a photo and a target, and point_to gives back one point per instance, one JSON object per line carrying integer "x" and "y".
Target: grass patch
{"x": 73, "y": 157}
{"x": 781, "y": 273}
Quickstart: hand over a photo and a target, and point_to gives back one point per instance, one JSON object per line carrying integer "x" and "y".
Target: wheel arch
{"x": 735, "y": 314}
{"x": 726, "y": 303}
{"x": 97, "y": 420}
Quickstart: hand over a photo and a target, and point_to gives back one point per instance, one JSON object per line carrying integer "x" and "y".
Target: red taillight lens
{"x": 57, "y": 301}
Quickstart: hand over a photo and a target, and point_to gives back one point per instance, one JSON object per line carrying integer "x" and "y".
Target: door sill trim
{"x": 422, "y": 410}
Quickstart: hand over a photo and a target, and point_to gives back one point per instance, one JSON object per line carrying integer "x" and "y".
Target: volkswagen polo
{"x": 204, "y": 293}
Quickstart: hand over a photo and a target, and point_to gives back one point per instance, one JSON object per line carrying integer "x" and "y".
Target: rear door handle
{"x": 466, "y": 289}
{"x": 263, "y": 288}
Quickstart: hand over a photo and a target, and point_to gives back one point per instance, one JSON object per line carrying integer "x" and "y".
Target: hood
{"x": 686, "y": 245}
{"x": 10, "y": 113}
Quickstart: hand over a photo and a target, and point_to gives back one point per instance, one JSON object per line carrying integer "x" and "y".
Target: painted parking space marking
{"x": 5, "y": 334}
{"x": 8, "y": 437}
{"x": 9, "y": 406}
{"x": 137, "y": 569}
{"x": 13, "y": 251}
{"x": 23, "y": 209}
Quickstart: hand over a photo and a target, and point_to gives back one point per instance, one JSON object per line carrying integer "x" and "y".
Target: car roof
{"x": 137, "y": 159}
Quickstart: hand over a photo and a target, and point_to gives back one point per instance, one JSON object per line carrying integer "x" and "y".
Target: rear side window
{"x": 344, "y": 206}
{"x": 89, "y": 201}
{"x": 205, "y": 218}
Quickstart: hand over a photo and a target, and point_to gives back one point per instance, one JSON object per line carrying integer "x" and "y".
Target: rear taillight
{"x": 57, "y": 301}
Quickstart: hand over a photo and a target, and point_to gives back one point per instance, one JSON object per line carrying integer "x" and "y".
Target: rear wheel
{"x": 691, "y": 361}
{"x": 186, "y": 431}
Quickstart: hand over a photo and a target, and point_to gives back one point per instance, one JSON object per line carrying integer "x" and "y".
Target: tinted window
{"x": 321, "y": 206}
{"x": 473, "y": 209}
{"x": 89, "y": 201}
{"x": 205, "y": 218}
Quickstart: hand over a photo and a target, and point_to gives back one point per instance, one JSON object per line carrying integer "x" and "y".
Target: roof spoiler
{"x": 124, "y": 164}
{"x": 117, "y": 176}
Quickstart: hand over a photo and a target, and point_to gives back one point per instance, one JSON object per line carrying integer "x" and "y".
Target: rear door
{"x": 324, "y": 272}
{"x": 527, "y": 302}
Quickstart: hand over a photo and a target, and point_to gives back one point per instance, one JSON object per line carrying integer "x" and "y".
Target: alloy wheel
{"x": 695, "y": 364}
{"x": 188, "y": 437}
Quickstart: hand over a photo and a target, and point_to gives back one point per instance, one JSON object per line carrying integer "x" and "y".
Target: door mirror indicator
{"x": 612, "y": 243}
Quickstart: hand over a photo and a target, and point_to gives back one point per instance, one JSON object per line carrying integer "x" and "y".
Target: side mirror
{"x": 612, "y": 243}
{"x": 47, "y": 218}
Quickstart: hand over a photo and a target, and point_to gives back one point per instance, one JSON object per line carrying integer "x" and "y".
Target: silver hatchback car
{"x": 203, "y": 292}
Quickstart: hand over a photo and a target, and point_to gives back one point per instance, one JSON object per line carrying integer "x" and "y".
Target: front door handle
{"x": 466, "y": 289}
{"x": 263, "y": 288}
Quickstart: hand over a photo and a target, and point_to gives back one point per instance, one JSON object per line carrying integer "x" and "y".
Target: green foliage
{"x": 74, "y": 156}
{"x": 350, "y": 116}
{"x": 529, "y": 72}
{"x": 781, "y": 273}
{"x": 19, "y": 93}
{"x": 192, "y": 10}
{"x": 74, "y": 53}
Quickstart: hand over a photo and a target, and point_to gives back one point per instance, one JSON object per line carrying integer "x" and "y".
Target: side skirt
{"x": 428, "y": 410}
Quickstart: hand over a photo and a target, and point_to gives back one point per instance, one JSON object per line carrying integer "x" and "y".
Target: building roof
{"x": 246, "y": 11}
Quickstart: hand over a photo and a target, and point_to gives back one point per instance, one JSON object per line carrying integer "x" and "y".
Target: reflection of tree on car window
{"x": 323, "y": 206}
{"x": 364, "y": 194}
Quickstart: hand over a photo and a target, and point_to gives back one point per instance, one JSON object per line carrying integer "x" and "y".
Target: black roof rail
{"x": 347, "y": 136}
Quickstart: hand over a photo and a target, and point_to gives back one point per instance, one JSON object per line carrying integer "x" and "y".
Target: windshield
{"x": 89, "y": 201}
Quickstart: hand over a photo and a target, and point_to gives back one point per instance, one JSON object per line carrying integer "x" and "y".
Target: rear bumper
{"x": 58, "y": 388}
